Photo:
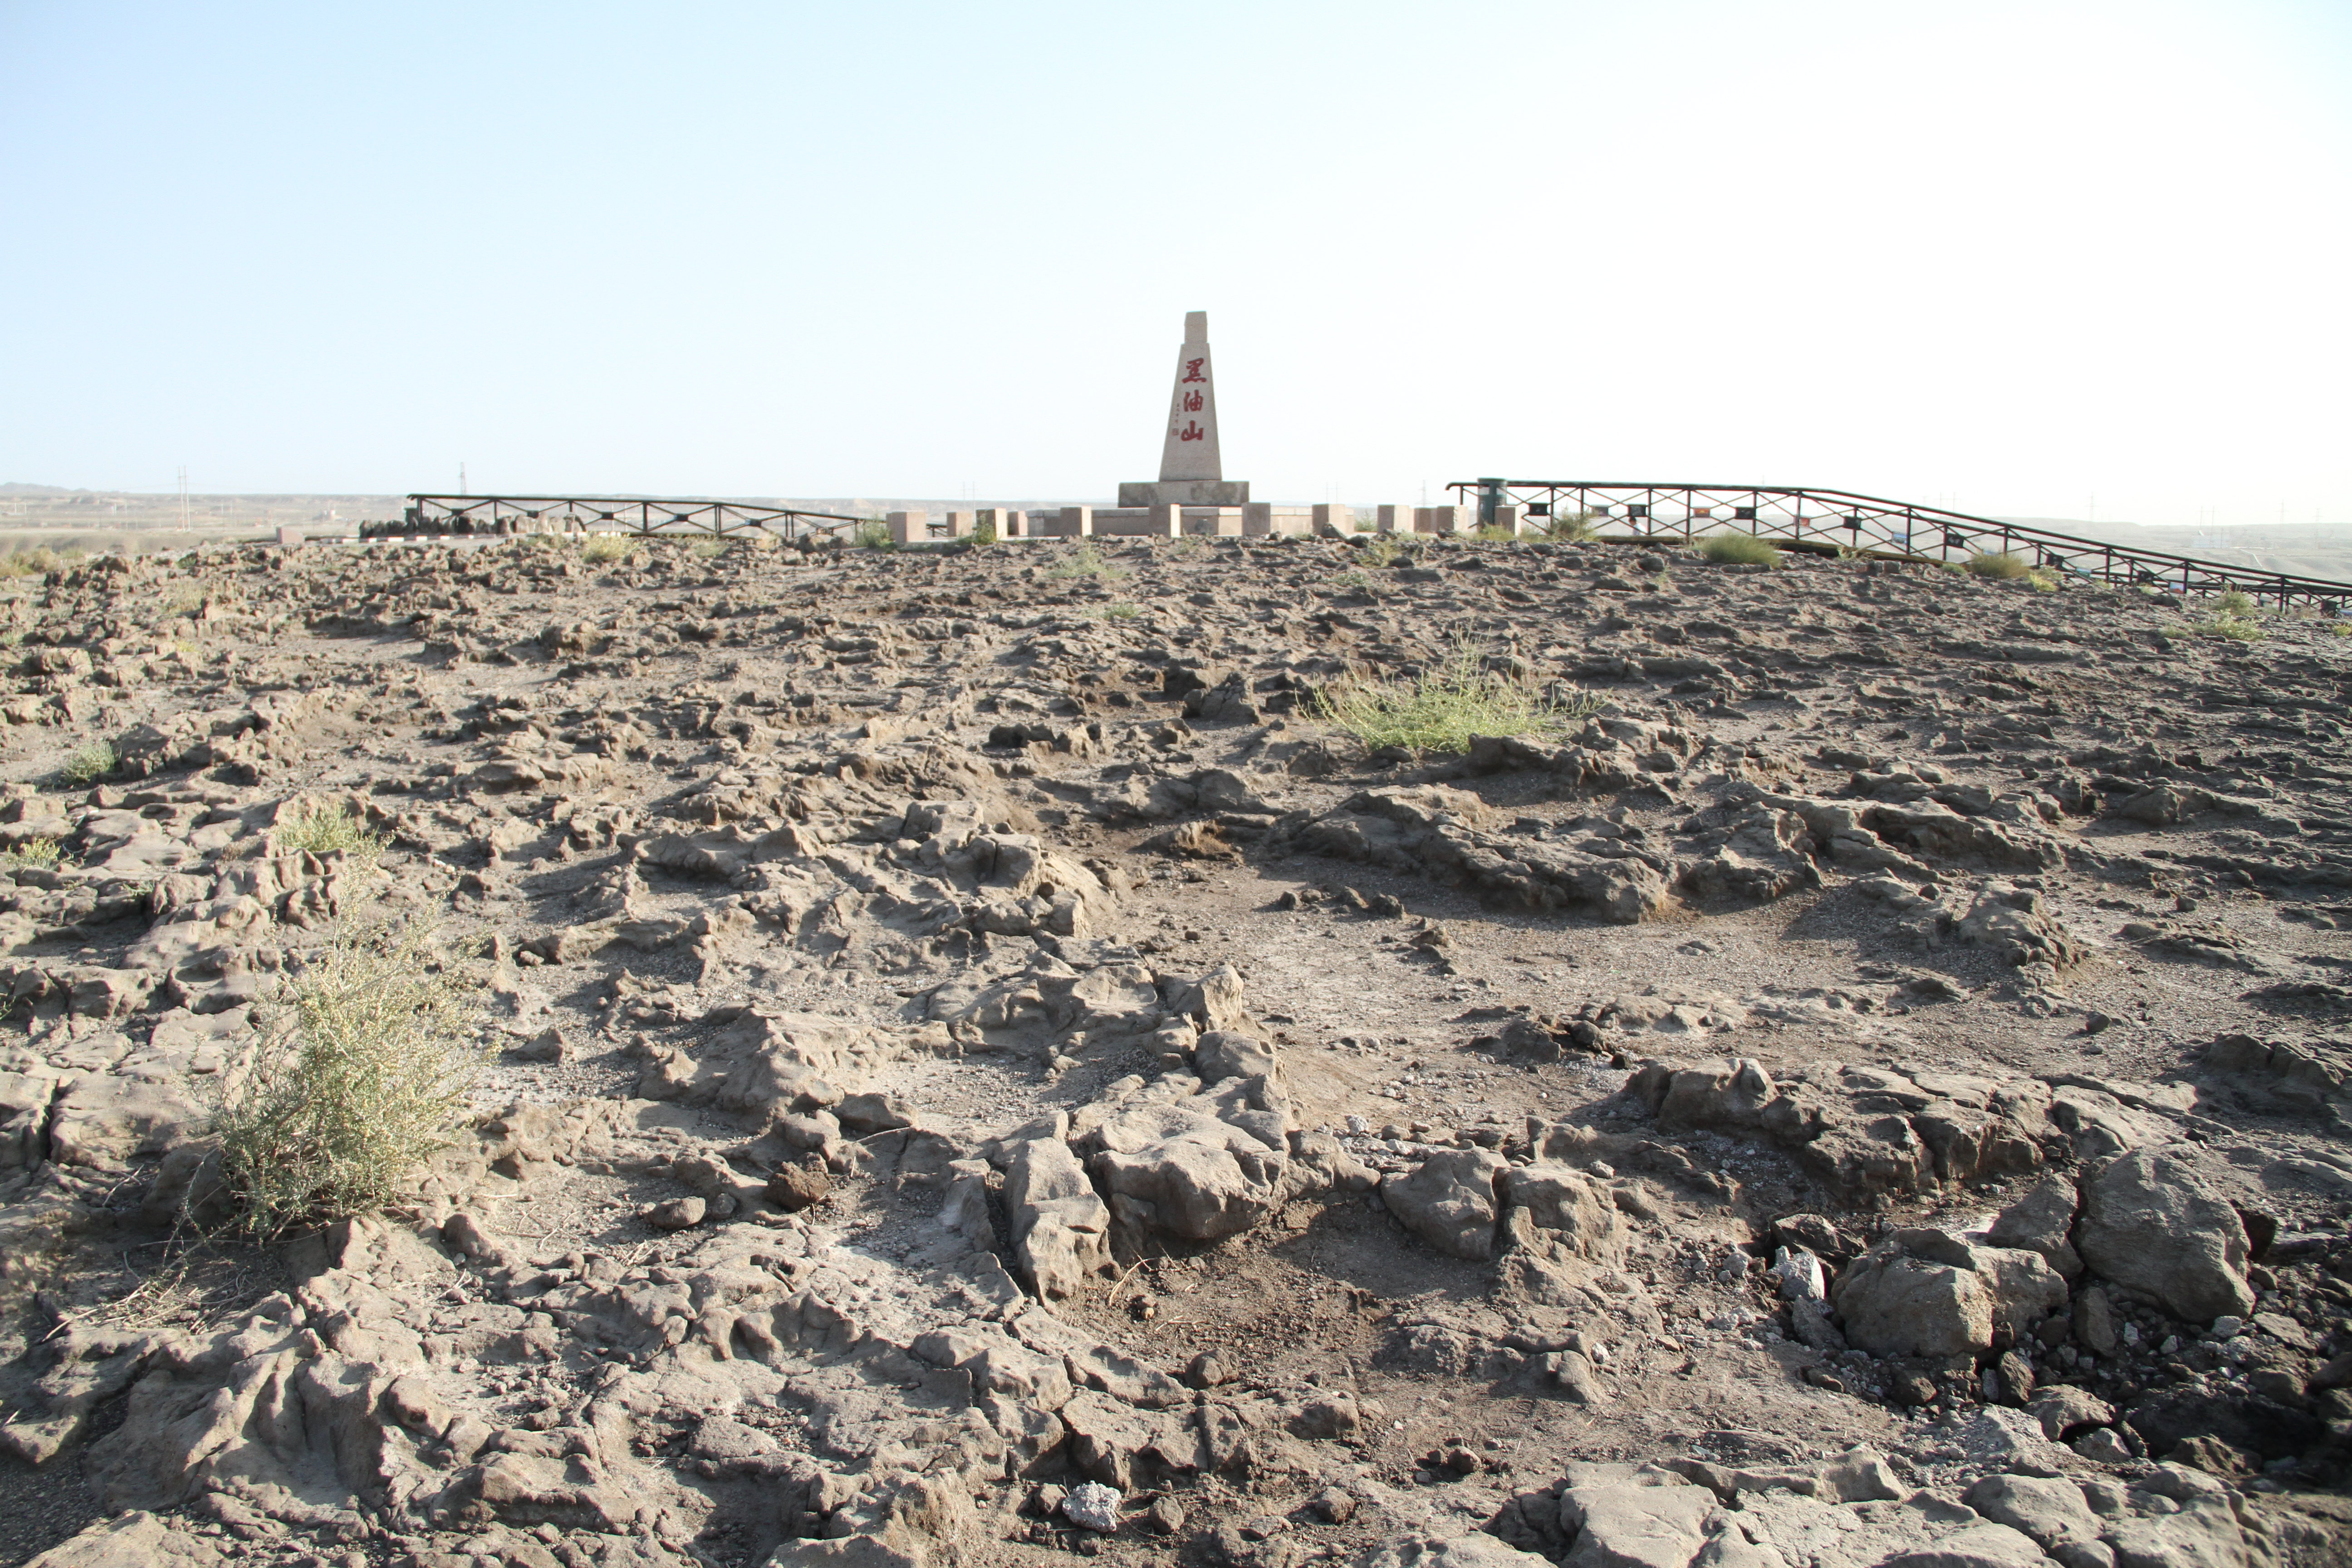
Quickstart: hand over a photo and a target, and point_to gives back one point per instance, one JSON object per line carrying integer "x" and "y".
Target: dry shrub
{"x": 327, "y": 829}
{"x": 606, "y": 547}
{"x": 1445, "y": 707}
{"x": 1738, "y": 550}
{"x": 1997, "y": 566}
{"x": 362, "y": 1075}
{"x": 89, "y": 763}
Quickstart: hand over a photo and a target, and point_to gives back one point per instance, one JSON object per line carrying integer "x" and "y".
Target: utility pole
{"x": 183, "y": 497}
{"x": 461, "y": 478}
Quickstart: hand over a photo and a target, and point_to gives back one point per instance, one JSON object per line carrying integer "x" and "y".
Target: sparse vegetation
{"x": 1384, "y": 551}
{"x": 1570, "y": 528}
{"x": 182, "y": 600}
{"x": 710, "y": 549}
{"x": 363, "y": 1076}
{"x": 1996, "y": 565}
{"x": 1495, "y": 533}
{"x": 873, "y": 536}
{"x": 1738, "y": 550}
{"x": 1356, "y": 582}
{"x": 984, "y": 531}
{"x": 90, "y": 764}
{"x": 2234, "y": 618}
{"x": 1121, "y": 612}
{"x": 606, "y": 547}
{"x": 39, "y": 561}
{"x": 1188, "y": 547}
{"x": 41, "y": 854}
{"x": 1445, "y": 707}
{"x": 327, "y": 829}
{"x": 1085, "y": 561}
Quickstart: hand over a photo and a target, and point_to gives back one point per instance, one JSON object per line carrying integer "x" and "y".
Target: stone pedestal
{"x": 1008, "y": 520}
{"x": 1393, "y": 519}
{"x": 909, "y": 527}
{"x": 1070, "y": 523}
{"x": 1191, "y": 469}
{"x": 1214, "y": 521}
{"x": 1184, "y": 492}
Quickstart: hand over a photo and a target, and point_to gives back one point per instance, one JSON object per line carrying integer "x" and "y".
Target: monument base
{"x": 1185, "y": 493}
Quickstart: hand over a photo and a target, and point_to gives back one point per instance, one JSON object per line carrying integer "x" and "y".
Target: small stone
{"x": 1165, "y": 1517}
{"x": 2228, "y": 1326}
{"x": 676, "y": 1214}
{"x": 1332, "y": 1506}
{"x": 2103, "y": 1447}
{"x": 1819, "y": 1378}
{"x": 1091, "y": 1505}
{"x": 1910, "y": 1388}
{"x": 794, "y": 1187}
{"x": 1208, "y": 1370}
{"x": 2013, "y": 1379}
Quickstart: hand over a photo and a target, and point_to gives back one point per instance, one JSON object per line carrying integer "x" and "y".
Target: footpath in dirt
{"x": 978, "y": 1070}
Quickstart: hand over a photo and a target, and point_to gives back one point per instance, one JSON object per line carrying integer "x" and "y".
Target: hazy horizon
{"x": 2070, "y": 259}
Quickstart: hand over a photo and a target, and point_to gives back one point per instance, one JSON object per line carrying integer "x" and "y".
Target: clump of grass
{"x": 37, "y": 562}
{"x": 1495, "y": 533}
{"x": 1997, "y": 566}
{"x": 1121, "y": 612}
{"x": 872, "y": 536}
{"x": 361, "y": 1078}
{"x": 606, "y": 547}
{"x": 2042, "y": 580}
{"x": 327, "y": 829}
{"x": 182, "y": 600}
{"x": 1188, "y": 547}
{"x": 710, "y": 549}
{"x": 1570, "y": 528}
{"x": 2233, "y": 616}
{"x": 1383, "y": 551}
{"x": 984, "y": 531}
{"x": 40, "y": 853}
{"x": 1085, "y": 561}
{"x": 1445, "y": 707}
{"x": 1738, "y": 550}
{"x": 1356, "y": 582}
{"x": 90, "y": 764}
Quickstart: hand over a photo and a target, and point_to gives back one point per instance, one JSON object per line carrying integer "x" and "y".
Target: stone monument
{"x": 1192, "y": 473}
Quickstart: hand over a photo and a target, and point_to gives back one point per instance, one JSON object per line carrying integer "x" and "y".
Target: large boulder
{"x": 1927, "y": 1292}
{"x": 2152, "y": 1222}
{"x": 2042, "y": 1222}
{"x": 1449, "y": 1202}
{"x": 1626, "y": 1524}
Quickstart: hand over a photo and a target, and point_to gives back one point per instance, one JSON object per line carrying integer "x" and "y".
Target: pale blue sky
{"x": 2011, "y": 255}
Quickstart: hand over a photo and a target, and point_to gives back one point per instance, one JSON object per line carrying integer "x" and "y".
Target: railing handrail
{"x": 1847, "y": 506}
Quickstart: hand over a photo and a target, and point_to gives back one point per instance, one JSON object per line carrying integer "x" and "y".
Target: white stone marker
{"x": 1190, "y": 450}
{"x": 1191, "y": 469}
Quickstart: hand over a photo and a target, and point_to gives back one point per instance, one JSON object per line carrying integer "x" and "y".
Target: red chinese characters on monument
{"x": 1193, "y": 372}
{"x": 1192, "y": 431}
{"x": 1192, "y": 403}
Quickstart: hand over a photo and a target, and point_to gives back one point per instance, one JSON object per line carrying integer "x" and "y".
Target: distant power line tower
{"x": 184, "y": 496}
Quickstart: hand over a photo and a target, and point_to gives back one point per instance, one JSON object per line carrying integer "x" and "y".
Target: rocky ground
{"x": 981, "y": 1073}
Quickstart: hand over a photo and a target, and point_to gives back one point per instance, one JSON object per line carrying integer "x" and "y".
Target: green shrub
{"x": 1383, "y": 551}
{"x": 1085, "y": 561}
{"x": 1738, "y": 550}
{"x": 1996, "y": 565}
{"x": 1570, "y": 528}
{"x": 607, "y": 547}
{"x": 2234, "y": 617}
{"x": 1445, "y": 707}
{"x": 873, "y": 536}
{"x": 359, "y": 1079}
{"x": 1121, "y": 612}
{"x": 90, "y": 764}
{"x": 39, "y": 853}
{"x": 326, "y": 829}
{"x": 984, "y": 531}
{"x": 2234, "y": 603}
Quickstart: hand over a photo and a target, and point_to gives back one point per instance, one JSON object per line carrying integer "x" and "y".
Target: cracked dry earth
{"x": 981, "y": 1074}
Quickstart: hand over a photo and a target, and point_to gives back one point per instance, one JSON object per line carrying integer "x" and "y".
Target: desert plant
{"x": 1495, "y": 533}
{"x": 606, "y": 547}
{"x": 2234, "y": 618}
{"x": 873, "y": 536}
{"x": 710, "y": 549}
{"x": 1121, "y": 612}
{"x": 1998, "y": 566}
{"x": 1356, "y": 582}
{"x": 360, "y": 1078}
{"x": 1738, "y": 550}
{"x": 1085, "y": 561}
{"x": 89, "y": 763}
{"x": 38, "y": 852}
{"x": 327, "y": 829}
{"x": 1570, "y": 528}
{"x": 1445, "y": 707}
{"x": 1383, "y": 551}
{"x": 984, "y": 531}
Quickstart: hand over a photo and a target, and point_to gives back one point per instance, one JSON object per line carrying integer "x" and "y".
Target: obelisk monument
{"x": 1191, "y": 471}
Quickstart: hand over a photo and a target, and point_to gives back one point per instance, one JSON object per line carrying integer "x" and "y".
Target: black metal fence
{"x": 1874, "y": 525}
{"x": 436, "y": 517}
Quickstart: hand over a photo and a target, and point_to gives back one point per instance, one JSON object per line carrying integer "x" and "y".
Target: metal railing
{"x": 433, "y": 517}
{"x": 1872, "y": 525}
